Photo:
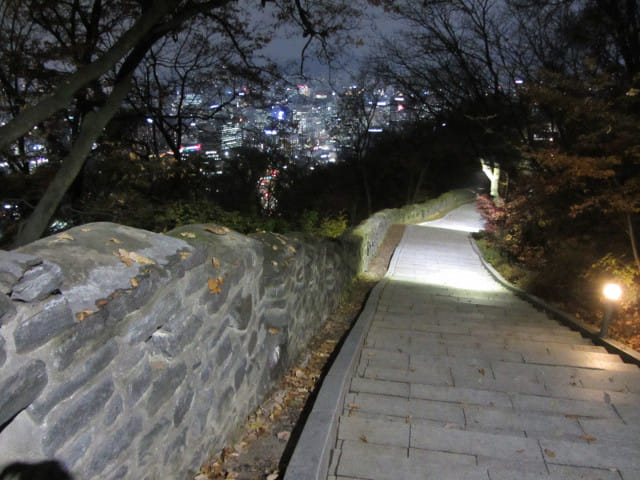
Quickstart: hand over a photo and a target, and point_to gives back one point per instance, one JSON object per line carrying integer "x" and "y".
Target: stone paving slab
{"x": 459, "y": 379}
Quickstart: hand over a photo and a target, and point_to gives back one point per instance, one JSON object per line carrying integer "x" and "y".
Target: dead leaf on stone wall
{"x": 85, "y": 229}
{"x": 128, "y": 258}
{"x": 112, "y": 240}
{"x": 274, "y": 330}
{"x": 188, "y": 235}
{"x": 215, "y": 284}
{"x": 218, "y": 230}
{"x": 81, "y": 316}
{"x": 102, "y": 302}
{"x": 184, "y": 255}
{"x": 215, "y": 262}
{"x": 63, "y": 236}
{"x": 134, "y": 283}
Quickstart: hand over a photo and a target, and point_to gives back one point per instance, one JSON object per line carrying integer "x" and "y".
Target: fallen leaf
{"x": 274, "y": 330}
{"x": 571, "y": 416}
{"x": 284, "y": 436}
{"x": 129, "y": 257}
{"x": 481, "y": 371}
{"x": 64, "y": 236}
{"x": 134, "y": 283}
{"x": 184, "y": 255}
{"x": 215, "y": 262}
{"x": 81, "y": 316}
{"x": 275, "y": 264}
{"x": 272, "y": 476}
{"x": 522, "y": 450}
{"x": 188, "y": 235}
{"x": 353, "y": 405}
{"x": 218, "y": 230}
{"x": 550, "y": 453}
{"x": 124, "y": 259}
{"x": 299, "y": 373}
{"x": 85, "y": 229}
{"x": 363, "y": 438}
{"x": 112, "y": 240}
{"x": 275, "y": 247}
{"x": 136, "y": 257}
{"x": 102, "y": 302}
{"x": 588, "y": 438}
{"x": 215, "y": 284}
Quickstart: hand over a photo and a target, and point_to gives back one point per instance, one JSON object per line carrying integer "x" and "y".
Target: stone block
{"x": 137, "y": 381}
{"x": 277, "y": 317}
{"x": 241, "y": 311}
{"x": 181, "y": 331}
{"x": 174, "y": 452}
{"x": 115, "y": 444}
{"x": 146, "y": 443}
{"x": 74, "y": 415}
{"x": 38, "y": 282}
{"x": 3, "y": 353}
{"x": 20, "y": 389}
{"x": 85, "y": 333}
{"x": 51, "y": 321}
{"x": 164, "y": 386}
{"x": 160, "y": 309}
{"x": 240, "y": 374}
{"x": 7, "y": 309}
{"x": 183, "y": 404}
{"x": 113, "y": 410}
{"x": 223, "y": 352}
{"x": 15, "y": 264}
{"x": 76, "y": 449}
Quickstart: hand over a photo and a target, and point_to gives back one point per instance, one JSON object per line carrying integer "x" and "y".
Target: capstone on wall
{"x": 131, "y": 354}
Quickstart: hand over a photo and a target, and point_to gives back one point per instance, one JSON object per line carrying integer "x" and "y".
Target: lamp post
{"x": 612, "y": 293}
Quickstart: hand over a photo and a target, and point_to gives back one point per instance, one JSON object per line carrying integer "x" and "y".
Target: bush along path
{"x": 267, "y": 439}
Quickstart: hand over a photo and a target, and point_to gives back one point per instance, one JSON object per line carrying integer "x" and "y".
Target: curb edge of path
{"x": 589, "y": 331}
{"x": 312, "y": 455}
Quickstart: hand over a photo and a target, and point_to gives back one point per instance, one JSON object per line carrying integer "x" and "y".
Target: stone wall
{"x": 130, "y": 354}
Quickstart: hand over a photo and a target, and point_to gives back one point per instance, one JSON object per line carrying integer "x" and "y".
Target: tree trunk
{"x": 419, "y": 182}
{"x": 92, "y": 128}
{"x": 632, "y": 238}
{"x": 493, "y": 174}
{"x": 64, "y": 94}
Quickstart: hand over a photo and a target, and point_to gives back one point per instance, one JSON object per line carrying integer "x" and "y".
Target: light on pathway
{"x": 612, "y": 291}
{"x": 612, "y": 294}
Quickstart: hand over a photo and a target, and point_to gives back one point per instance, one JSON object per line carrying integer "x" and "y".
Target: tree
{"x": 461, "y": 58}
{"x": 357, "y": 113}
{"x": 98, "y": 72}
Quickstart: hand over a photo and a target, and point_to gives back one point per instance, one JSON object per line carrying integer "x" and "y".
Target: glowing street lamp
{"x": 612, "y": 294}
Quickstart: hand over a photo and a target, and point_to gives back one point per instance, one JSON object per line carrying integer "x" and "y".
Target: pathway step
{"x": 456, "y": 378}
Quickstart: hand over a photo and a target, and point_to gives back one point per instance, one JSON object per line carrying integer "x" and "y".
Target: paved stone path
{"x": 458, "y": 379}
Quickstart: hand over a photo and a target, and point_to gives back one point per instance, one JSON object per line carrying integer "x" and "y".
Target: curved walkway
{"x": 449, "y": 376}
